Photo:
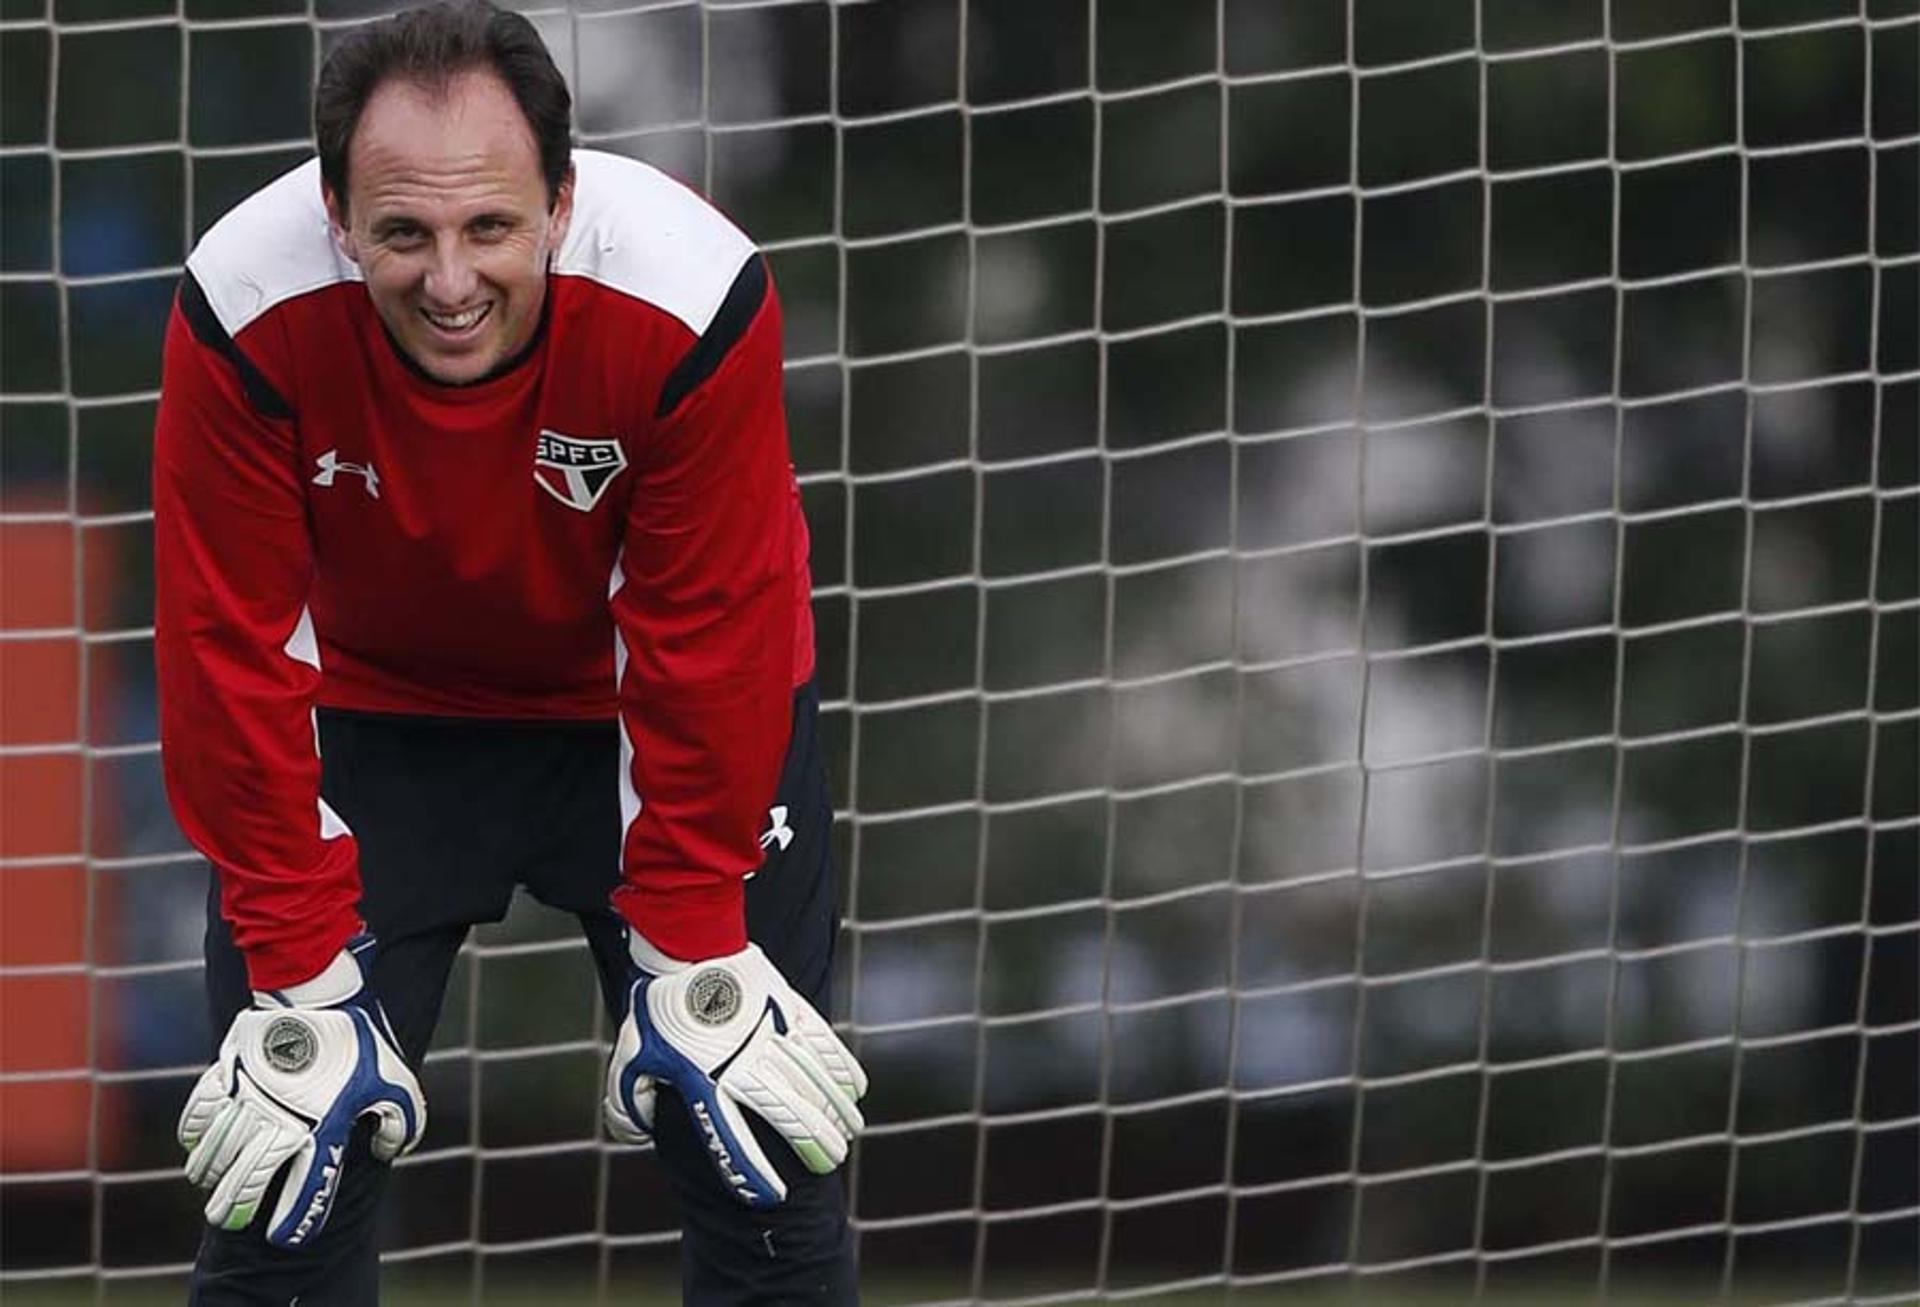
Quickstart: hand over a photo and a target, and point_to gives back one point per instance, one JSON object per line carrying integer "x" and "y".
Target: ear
{"x": 562, "y": 215}
{"x": 337, "y": 225}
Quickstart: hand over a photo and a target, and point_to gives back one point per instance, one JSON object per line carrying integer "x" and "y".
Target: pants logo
{"x": 574, "y": 471}
{"x": 777, "y": 828}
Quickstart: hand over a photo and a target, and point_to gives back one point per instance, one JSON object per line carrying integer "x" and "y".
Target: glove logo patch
{"x": 713, "y": 997}
{"x": 289, "y": 1045}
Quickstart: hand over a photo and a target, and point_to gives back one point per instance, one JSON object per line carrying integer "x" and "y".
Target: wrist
{"x": 332, "y": 985}
{"x": 650, "y": 958}
{"x": 689, "y": 923}
{"x": 286, "y": 954}
{"x": 656, "y": 961}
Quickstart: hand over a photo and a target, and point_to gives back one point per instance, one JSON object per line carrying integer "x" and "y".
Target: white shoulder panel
{"x": 270, "y": 247}
{"x": 637, "y": 230}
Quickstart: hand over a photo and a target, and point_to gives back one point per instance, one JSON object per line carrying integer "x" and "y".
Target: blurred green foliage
{"x": 1256, "y": 343}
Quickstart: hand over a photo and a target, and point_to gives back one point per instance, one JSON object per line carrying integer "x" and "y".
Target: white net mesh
{"x": 1365, "y": 564}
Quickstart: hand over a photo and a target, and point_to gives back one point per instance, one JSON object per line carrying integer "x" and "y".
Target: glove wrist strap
{"x": 337, "y": 983}
{"x": 648, "y": 957}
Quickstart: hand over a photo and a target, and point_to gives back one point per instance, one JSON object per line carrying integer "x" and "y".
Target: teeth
{"x": 455, "y": 321}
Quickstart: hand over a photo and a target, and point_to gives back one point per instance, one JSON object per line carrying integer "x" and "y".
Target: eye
{"x": 490, "y": 227}
{"x": 402, "y": 235}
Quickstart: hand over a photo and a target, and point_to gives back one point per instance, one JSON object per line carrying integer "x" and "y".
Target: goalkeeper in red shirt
{"x": 481, "y": 565}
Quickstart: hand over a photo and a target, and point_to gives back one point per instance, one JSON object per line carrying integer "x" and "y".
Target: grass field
{"x": 441, "y": 1290}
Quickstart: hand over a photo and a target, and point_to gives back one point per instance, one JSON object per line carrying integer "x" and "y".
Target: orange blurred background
{"x": 46, "y": 1004}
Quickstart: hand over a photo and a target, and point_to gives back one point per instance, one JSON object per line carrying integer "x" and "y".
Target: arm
{"x": 706, "y": 599}
{"x": 704, "y": 604}
{"x": 238, "y": 666}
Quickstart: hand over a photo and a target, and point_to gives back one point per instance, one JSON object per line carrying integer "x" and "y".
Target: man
{"x": 481, "y": 564}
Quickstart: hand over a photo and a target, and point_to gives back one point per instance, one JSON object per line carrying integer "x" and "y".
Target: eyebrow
{"x": 388, "y": 225}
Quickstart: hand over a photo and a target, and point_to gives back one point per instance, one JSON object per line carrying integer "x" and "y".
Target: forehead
{"x": 464, "y": 139}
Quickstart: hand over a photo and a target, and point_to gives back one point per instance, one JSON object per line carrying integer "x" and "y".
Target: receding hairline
{"x": 436, "y": 95}
{"x": 429, "y": 50}
{"x": 438, "y": 89}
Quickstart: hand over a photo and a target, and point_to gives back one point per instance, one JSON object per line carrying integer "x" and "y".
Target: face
{"x": 448, "y": 219}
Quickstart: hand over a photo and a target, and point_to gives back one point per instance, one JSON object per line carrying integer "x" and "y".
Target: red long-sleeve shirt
{"x": 609, "y": 527}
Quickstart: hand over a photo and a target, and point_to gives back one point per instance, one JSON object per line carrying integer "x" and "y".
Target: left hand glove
{"x": 293, "y": 1076}
{"x": 726, "y": 1034}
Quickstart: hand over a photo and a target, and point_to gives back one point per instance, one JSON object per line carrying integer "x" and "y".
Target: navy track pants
{"x": 452, "y": 815}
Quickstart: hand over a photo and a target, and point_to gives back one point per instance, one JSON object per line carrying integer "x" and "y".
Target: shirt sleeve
{"x": 704, "y": 603}
{"x": 237, "y": 660}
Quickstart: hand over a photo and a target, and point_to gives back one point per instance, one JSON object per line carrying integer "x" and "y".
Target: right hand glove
{"x": 293, "y": 1076}
{"x": 726, "y": 1034}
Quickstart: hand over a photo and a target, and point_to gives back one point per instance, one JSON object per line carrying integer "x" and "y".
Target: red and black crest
{"x": 574, "y": 471}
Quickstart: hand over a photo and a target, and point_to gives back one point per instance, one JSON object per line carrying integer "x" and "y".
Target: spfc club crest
{"x": 574, "y": 471}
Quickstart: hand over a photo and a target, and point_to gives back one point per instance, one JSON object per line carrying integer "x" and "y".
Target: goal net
{"x": 1365, "y": 565}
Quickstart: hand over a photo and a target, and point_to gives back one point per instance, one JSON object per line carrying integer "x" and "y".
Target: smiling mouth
{"x": 457, "y": 324}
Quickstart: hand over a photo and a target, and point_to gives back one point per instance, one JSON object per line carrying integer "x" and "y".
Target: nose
{"x": 451, "y": 279}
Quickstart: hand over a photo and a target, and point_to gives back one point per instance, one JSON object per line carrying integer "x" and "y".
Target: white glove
{"x": 726, "y": 1034}
{"x": 293, "y": 1076}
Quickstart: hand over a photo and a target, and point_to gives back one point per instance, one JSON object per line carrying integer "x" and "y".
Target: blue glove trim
{"x": 313, "y": 1202}
{"x": 661, "y": 1060}
{"x": 630, "y": 1073}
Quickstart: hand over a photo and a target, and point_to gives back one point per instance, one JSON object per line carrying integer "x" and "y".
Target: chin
{"x": 458, "y": 372}
{"x": 455, "y": 369}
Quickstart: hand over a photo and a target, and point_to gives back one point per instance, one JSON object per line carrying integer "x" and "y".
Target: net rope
{"x": 1115, "y": 1008}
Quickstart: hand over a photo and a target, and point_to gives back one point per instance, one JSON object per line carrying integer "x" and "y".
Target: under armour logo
{"x": 331, "y": 465}
{"x": 777, "y": 829}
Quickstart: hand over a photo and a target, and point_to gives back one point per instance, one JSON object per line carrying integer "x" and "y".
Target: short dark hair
{"x": 430, "y": 46}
